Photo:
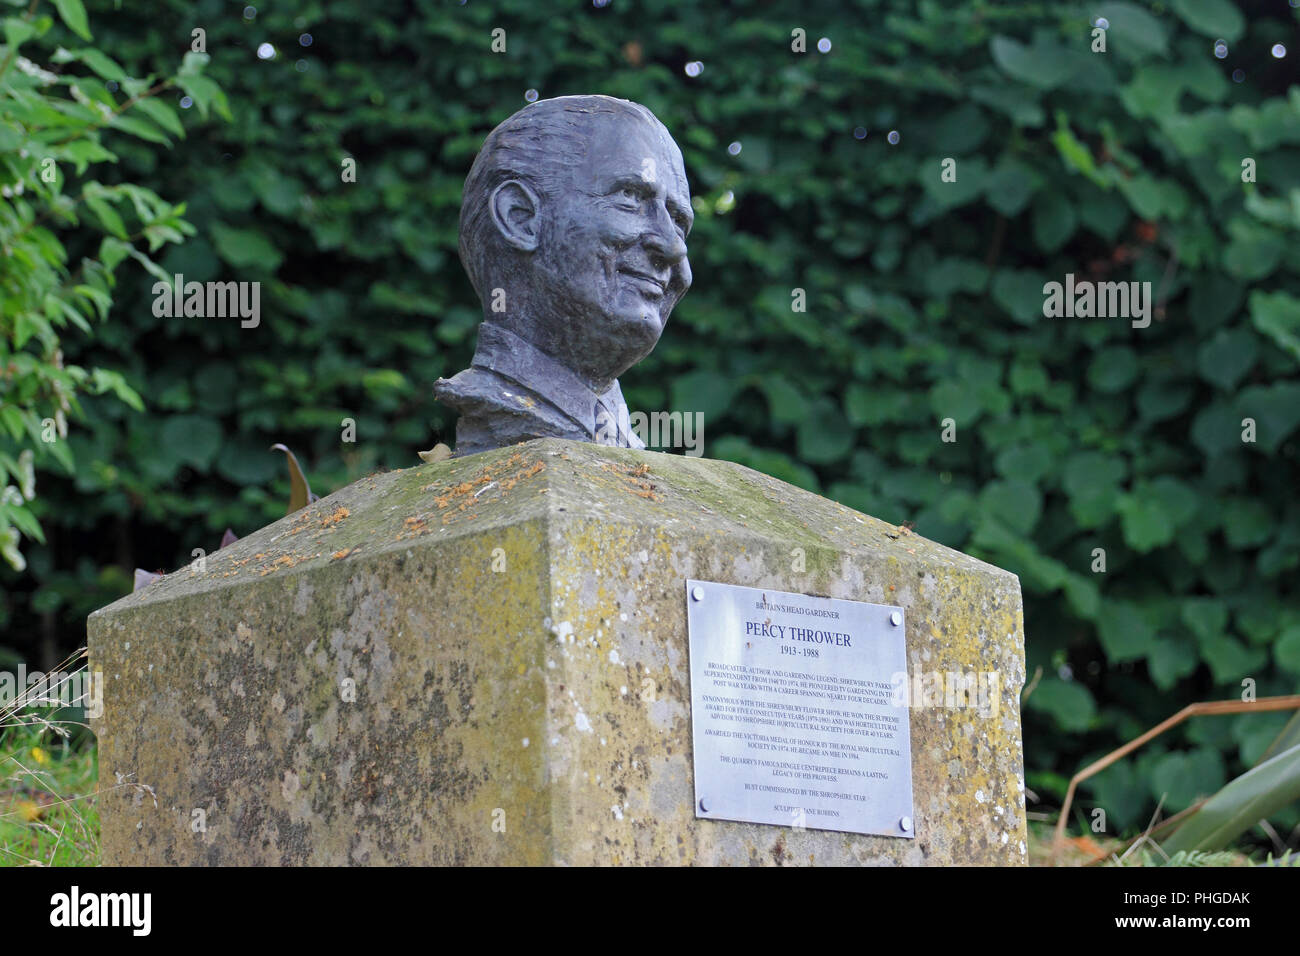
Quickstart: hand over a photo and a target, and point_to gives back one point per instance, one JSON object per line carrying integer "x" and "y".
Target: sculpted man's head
{"x": 577, "y": 210}
{"x": 573, "y": 230}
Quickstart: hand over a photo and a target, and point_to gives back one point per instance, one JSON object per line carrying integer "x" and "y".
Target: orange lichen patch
{"x": 632, "y": 480}
{"x": 339, "y": 555}
{"x": 413, "y": 527}
{"x": 332, "y": 519}
{"x": 283, "y": 562}
{"x": 505, "y": 474}
{"x": 301, "y": 522}
{"x": 521, "y": 474}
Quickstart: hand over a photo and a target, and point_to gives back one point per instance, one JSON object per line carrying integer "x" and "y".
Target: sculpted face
{"x": 611, "y": 263}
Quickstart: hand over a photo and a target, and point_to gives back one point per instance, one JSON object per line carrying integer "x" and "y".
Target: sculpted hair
{"x": 537, "y": 145}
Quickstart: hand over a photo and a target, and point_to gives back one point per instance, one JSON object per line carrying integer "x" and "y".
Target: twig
{"x": 1289, "y": 702}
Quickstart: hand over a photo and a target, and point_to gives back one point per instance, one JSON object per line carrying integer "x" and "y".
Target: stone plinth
{"x": 485, "y": 661}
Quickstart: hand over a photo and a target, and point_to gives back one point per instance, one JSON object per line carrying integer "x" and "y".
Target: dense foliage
{"x": 924, "y": 302}
{"x": 52, "y": 127}
{"x": 63, "y": 235}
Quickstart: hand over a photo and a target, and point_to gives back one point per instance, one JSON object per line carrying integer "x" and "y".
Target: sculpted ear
{"x": 516, "y": 212}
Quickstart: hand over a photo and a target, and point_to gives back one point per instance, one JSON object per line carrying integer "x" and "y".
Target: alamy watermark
{"x": 978, "y": 691}
{"x": 79, "y": 688}
{"x": 1102, "y": 300}
{"x": 683, "y": 430}
{"x": 209, "y": 300}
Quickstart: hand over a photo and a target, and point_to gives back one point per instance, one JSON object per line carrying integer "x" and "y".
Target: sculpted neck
{"x": 592, "y": 366}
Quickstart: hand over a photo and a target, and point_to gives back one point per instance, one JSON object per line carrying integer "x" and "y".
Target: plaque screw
{"x": 906, "y": 824}
{"x": 896, "y": 619}
{"x": 697, "y": 593}
{"x": 704, "y": 807}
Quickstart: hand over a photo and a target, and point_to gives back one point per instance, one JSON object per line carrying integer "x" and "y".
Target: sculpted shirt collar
{"x": 507, "y": 354}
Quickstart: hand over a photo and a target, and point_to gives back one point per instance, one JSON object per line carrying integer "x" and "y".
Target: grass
{"x": 49, "y": 778}
{"x": 1102, "y": 850}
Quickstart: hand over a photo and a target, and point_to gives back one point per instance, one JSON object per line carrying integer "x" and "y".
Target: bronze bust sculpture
{"x": 573, "y": 231}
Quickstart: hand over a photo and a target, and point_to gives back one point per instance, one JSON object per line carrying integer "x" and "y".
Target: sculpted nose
{"x": 663, "y": 242}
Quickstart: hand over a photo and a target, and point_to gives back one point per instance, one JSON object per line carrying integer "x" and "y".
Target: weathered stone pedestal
{"x": 485, "y": 661}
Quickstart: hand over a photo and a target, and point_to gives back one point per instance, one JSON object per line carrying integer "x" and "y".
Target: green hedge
{"x": 924, "y": 303}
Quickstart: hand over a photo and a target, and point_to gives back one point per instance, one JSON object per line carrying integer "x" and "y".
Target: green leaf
{"x": 193, "y": 63}
{"x": 1254, "y": 250}
{"x": 193, "y": 439}
{"x": 1275, "y": 409}
{"x": 1183, "y": 778}
{"x": 1020, "y": 293}
{"x": 1133, "y": 33}
{"x": 1017, "y": 503}
{"x": 1254, "y": 796}
{"x": 1226, "y": 358}
{"x": 162, "y": 114}
{"x": 825, "y": 435}
{"x": 245, "y": 248}
{"x": 1248, "y": 523}
{"x": 1287, "y": 649}
{"x": 785, "y": 403}
{"x": 1217, "y": 429}
{"x": 1287, "y": 737}
{"x": 1170, "y": 661}
{"x": 956, "y": 275}
{"x": 205, "y": 93}
{"x": 1010, "y": 186}
{"x": 1230, "y": 660}
{"x": 18, "y": 31}
{"x": 106, "y": 380}
{"x": 1147, "y": 524}
{"x": 1206, "y": 617}
{"x": 1113, "y": 369}
{"x": 155, "y": 270}
{"x": 1121, "y": 790}
{"x": 24, "y": 521}
{"x": 1054, "y": 220}
{"x": 107, "y": 215}
{"x": 1068, "y": 703}
{"x": 1092, "y": 481}
{"x": 704, "y": 392}
{"x": 73, "y": 13}
{"x": 1212, "y": 18}
{"x": 1044, "y": 66}
{"x": 1277, "y": 315}
{"x": 139, "y": 128}
{"x": 1124, "y": 632}
{"x": 1087, "y": 472}
{"x": 102, "y": 64}
{"x": 1154, "y": 91}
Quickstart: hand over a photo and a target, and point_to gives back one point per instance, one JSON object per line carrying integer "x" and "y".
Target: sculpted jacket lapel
{"x": 506, "y": 354}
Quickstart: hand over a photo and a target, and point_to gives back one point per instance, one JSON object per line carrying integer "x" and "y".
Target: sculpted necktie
{"x": 607, "y": 424}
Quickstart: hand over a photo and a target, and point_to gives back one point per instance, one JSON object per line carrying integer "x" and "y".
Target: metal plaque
{"x": 796, "y": 711}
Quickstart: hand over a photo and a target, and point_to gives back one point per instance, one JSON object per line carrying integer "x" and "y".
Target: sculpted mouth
{"x": 652, "y": 283}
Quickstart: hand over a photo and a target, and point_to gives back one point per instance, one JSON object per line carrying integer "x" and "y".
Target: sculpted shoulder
{"x": 495, "y": 411}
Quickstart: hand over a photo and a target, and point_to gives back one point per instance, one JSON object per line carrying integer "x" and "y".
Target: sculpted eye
{"x": 630, "y": 192}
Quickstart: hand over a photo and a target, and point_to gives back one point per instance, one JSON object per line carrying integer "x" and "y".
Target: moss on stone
{"x": 549, "y": 696}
